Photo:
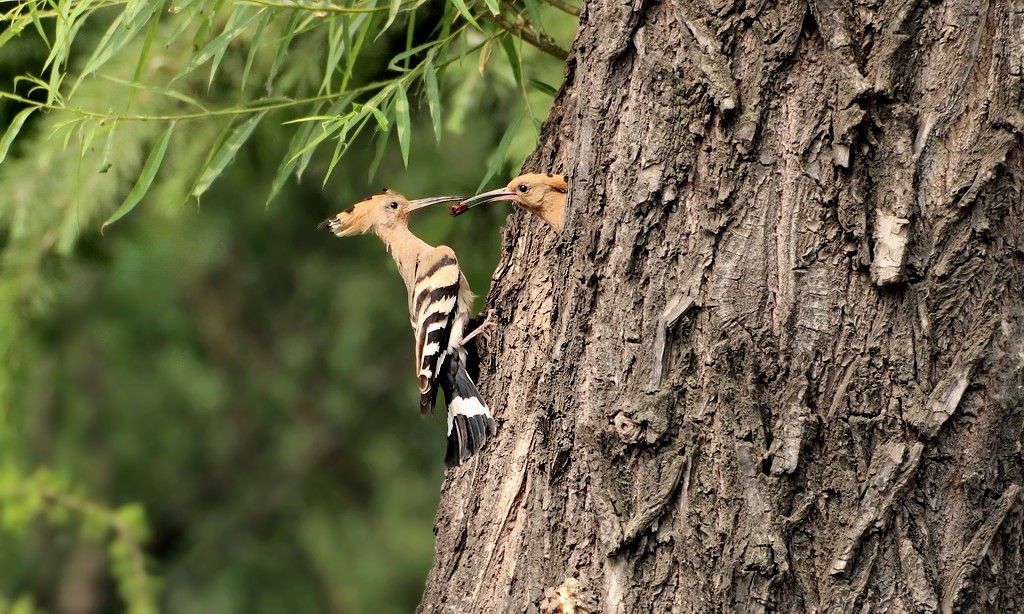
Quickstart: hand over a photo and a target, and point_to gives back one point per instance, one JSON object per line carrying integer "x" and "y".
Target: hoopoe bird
{"x": 541, "y": 195}
{"x": 440, "y": 302}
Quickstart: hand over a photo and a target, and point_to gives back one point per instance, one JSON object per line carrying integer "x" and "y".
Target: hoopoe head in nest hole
{"x": 543, "y": 195}
{"x": 379, "y": 213}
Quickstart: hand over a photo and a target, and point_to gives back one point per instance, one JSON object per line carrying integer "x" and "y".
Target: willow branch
{"x": 325, "y": 8}
{"x": 541, "y": 42}
{"x": 87, "y": 508}
{"x": 565, "y": 6}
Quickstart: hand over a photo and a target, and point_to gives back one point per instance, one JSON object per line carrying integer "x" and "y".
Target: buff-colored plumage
{"x": 440, "y": 304}
{"x": 540, "y": 194}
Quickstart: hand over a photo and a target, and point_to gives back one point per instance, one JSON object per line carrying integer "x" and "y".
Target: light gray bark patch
{"x": 891, "y": 469}
{"x": 677, "y": 307}
{"x": 915, "y": 575}
{"x": 706, "y": 52}
{"x": 789, "y": 430}
{"x": 891, "y": 235}
{"x": 945, "y": 398}
{"x": 974, "y": 551}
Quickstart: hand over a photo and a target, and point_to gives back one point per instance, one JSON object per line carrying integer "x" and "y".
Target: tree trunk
{"x": 774, "y": 362}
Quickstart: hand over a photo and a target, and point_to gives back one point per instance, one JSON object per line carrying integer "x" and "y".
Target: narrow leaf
{"x": 498, "y": 158}
{"x": 544, "y": 87}
{"x": 402, "y": 122}
{"x": 156, "y": 89}
{"x": 288, "y": 165}
{"x": 254, "y": 47}
{"x": 219, "y": 55}
{"x": 336, "y": 43}
{"x": 433, "y": 97}
{"x": 33, "y": 11}
{"x": 237, "y": 24}
{"x": 493, "y": 6}
{"x": 282, "y": 48}
{"x": 120, "y": 33}
{"x": 533, "y": 10}
{"x": 13, "y": 129}
{"x": 356, "y": 46}
{"x": 141, "y": 64}
{"x": 226, "y": 153}
{"x": 302, "y": 150}
{"x": 378, "y": 155}
{"x": 408, "y": 53}
{"x": 153, "y": 162}
{"x": 410, "y": 30}
{"x": 464, "y": 11}
{"x": 485, "y": 55}
{"x": 513, "y": 59}
{"x": 392, "y": 13}
{"x": 345, "y": 141}
{"x": 382, "y": 119}
{"x": 184, "y": 23}
{"x": 105, "y": 163}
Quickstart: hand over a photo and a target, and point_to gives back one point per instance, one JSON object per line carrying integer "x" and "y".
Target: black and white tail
{"x": 469, "y": 421}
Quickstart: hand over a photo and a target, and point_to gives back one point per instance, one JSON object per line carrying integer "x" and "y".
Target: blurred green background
{"x": 210, "y": 407}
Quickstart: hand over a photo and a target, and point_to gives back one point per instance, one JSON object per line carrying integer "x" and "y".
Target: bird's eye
{"x": 393, "y": 205}
{"x": 523, "y": 188}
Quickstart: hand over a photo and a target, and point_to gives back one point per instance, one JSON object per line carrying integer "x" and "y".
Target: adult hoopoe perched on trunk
{"x": 541, "y": 195}
{"x": 440, "y": 302}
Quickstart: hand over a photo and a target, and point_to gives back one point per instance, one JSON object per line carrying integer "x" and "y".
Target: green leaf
{"x": 156, "y": 89}
{"x": 290, "y": 161}
{"x": 123, "y": 29}
{"x": 533, "y": 10}
{"x": 464, "y": 11}
{"x": 433, "y": 97}
{"x": 63, "y": 33}
{"x": 408, "y": 53}
{"x": 33, "y": 11}
{"x": 344, "y": 142}
{"x": 378, "y": 155}
{"x": 156, "y": 157}
{"x": 402, "y": 122}
{"x": 356, "y": 46}
{"x": 392, "y": 13}
{"x": 327, "y": 128}
{"x": 282, "y": 48}
{"x": 237, "y": 24}
{"x": 254, "y": 47}
{"x": 493, "y": 6}
{"x": 410, "y": 31}
{"x": 509, "y": 46}
{"x": 13, "y": 129}
{"x": 179, "y": 7}
{"x": 498, "y": 157}
{"x": 108, "y": 145}
{"x": 336, "y": 43}
{"x": 382, "y": 119}
{"x": 141, "y": 64}
{"x": 225, "y": 154}
{"x": 234, "y": 28}
{"x": 543, "y": 87}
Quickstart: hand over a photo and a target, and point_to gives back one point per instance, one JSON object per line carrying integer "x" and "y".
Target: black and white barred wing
{"x": 434, "y": 309}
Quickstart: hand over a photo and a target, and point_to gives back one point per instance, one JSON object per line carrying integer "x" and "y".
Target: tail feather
{"x": 427, "y": 400}
{"x": 470, "y": 424}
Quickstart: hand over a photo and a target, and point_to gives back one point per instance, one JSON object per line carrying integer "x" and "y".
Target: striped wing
{"x": 435, "y": 304}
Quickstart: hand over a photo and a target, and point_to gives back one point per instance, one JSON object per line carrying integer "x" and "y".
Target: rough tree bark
{"x": 774, "y": 363}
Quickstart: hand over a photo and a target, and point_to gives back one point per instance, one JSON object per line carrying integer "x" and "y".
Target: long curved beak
{"x": 434, "y": 200}
{"x": 479, "y": 199}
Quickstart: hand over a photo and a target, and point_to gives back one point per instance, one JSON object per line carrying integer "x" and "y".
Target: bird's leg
{"x": 479, "y": 329}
